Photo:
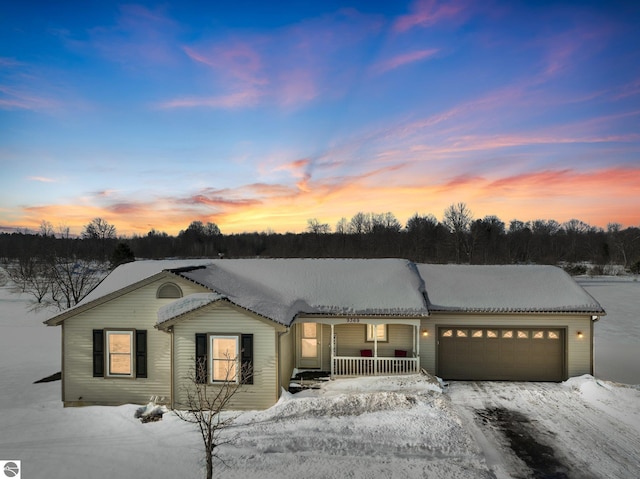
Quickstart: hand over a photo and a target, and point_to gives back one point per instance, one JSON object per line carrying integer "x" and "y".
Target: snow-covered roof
{"x": 185, "y": 305}
{"x": 280, "y": 289}
{"x": 121, "y": 278}
{"x": 504, "y": 288}
{"x": 130, "y": 273}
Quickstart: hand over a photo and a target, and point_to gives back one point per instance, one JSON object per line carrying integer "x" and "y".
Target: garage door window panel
{"x": 477, "y": 333}
{"x": 523, "y": 334}
{"x": 507, "y": 334}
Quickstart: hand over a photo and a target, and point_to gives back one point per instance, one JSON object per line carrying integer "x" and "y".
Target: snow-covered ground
{"x": 371, "y": 427}
{"x": 617, "y": 335}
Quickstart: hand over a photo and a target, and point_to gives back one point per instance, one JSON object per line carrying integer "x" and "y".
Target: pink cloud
{"x": 220, "y": 201}
{"x": 14, "y": 98}
{"x": 292, "y": 66}
{"x": 629, "y": 89}
{"x": 461, "y": 181}
{"x": 9, "y": 62}
{"x": 127, "y": 208}
{"x": 237, "y": 61}
{"x": 619, "y": 181}
{"x": 140, "y": 36}
{"x": 403, "y": 59}
{"x": 425, "y": 13}
{"x": 41, "y": 179}
{"x": 242, "y": 99}
{"x": 294, "y": 166}
{"x": 297, "y": 86}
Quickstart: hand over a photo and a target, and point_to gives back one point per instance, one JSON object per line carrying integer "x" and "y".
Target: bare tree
{"x": 205, "y": 404}
{"x": 72, "y": 279}
{"x": 342, "y": 226}
{"x": 360, "y": 223}
{"x": 60, "y": 281}
{"x": 457, "y": 218}
{"x": 99, "y": 229}
{"x": 100, "y": 232}
{"x": 314, "y": 226}
{"x": 385, "y": 222}
{"x": 46, "y": 228}
{"x": 29, "y": 276}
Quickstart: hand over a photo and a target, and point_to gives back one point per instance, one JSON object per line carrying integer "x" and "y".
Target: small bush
{"x": 575, "y": 269}
{"x": 635, "y": 267}
{"x": 596, "y": 270}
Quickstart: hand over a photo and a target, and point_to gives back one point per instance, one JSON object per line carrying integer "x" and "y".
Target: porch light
{"x": 580, "y": 334}
{"x": 425, "y": 333}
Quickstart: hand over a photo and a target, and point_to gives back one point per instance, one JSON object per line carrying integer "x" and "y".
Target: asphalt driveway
{"x": 551, "y": 430}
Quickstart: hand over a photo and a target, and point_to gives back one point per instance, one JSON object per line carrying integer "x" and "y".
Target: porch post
{"x": 375, "y": 349}
{"x": 416, "y": 334}
{"x": 333, "y": 340}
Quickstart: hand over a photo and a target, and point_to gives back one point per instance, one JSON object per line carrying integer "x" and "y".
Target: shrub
{"x": 575, "y": 269}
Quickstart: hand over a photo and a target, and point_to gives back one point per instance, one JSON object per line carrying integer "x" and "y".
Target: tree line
{"x": 458, "y": 237}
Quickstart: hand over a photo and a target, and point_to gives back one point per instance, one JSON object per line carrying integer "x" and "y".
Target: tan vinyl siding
{"x": 222, "y": 317}
{"x": 135, "y": 310}
{"x": 286, "y": 359}
{"x": 350, "y": 339}
{"x": 578, "y": 349}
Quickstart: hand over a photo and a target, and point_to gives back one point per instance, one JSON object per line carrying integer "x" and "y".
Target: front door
{"x": 309, "y": 345}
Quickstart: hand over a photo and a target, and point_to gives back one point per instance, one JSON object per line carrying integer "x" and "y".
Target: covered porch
{"x": 357, "y": 346}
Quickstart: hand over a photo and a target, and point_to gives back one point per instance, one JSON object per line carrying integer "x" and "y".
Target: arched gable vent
{"x": 169, "y": 290}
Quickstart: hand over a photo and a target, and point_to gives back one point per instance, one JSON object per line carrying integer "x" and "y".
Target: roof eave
{"x": 182, "y": 316}
{"x": 518, "y": 311}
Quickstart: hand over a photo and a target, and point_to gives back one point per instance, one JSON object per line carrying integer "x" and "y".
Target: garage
{"x": 501, "y": 353}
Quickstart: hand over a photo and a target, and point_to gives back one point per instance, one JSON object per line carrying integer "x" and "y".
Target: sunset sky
{"x": 261, "y": 115}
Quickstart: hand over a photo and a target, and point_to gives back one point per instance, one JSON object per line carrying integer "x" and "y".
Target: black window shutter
{"x": 98, "y": 353}
{"x": 201, "y": 358}
{"x": 141, "y": 353}
{"x": 247, "y": 359}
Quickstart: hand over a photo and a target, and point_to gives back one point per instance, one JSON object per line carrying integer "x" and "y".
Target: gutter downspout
{"x": 171, "y": 352}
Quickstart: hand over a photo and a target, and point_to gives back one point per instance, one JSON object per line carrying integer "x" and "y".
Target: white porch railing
{"x": 357, "y": 366}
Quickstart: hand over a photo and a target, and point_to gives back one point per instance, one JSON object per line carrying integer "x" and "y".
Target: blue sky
{"x": 259, "y": 116}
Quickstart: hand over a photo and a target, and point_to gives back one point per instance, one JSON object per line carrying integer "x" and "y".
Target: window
{"x": 553, "y": 335}
{"x": 476, "y": 333}
{"x": 461, "y": 333}
{"x": 224, "y": 357}
{"x": 380, "y": 331}
{"x": 120, "y": 353}
{"x": 492, "y": 333}
{"x": 447, "y": 333}
{"x": 523, "y": 334}
{"x": 169, "y": 290}
{"x": 538, "y": 335}
{"x": 507, "y": 334}
{"x": 309, "y": 340}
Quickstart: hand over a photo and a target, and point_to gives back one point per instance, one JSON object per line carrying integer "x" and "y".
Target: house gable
{"x": 224, "y": 318}
{"x": 133, "y": 309}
